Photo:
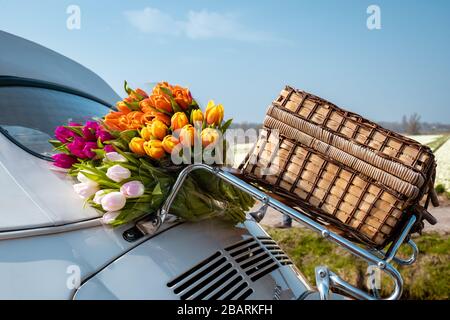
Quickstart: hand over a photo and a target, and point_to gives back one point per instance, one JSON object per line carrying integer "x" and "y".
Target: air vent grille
{"x": 252, "y": 258}
{"x": 220, "y": 277}
{"x": 275, "y": 250}
{"x": 214, "y": 278}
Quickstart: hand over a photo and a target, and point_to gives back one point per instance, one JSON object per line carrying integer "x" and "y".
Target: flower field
{"x": 440, "y": 144}
{"x": 443, "y": 162}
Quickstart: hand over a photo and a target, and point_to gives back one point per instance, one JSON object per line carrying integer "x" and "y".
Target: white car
{"x": 54, "y": 247}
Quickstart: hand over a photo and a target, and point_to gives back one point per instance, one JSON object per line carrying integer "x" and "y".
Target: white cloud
{"x": 202, "y": 24}
{"x": 152, "y": 20}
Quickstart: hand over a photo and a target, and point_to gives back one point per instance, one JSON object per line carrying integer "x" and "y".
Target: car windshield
{"x": 29, "y": 115}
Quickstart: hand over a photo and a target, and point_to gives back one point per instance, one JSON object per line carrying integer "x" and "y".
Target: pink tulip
{"x": 115, "y": 157}
{"x": 113, "y": 201}
{"x": 132, "y": 189}
{"x": 109, "y": 217}
{"x": 118, "y": 173}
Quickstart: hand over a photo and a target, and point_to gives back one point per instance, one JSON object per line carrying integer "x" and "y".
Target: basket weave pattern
{"x": 344, "y": 169}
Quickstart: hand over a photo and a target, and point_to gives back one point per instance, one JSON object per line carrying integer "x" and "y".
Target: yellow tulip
{"x": 178, "y": 121}
{"x": 214, "y": 113}
{"x": 187, "y": 135}
{"x": 158, "y": 129}
{"x": 146, "y": 133}
{"x": 169, "y": 143}
{"x": 210, "y": 136}
{"x": 154, "y": 149}
{"x": 137, "y": 146}
{"x": 196, "y": 116}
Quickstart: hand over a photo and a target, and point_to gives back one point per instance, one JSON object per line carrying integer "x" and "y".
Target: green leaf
{"x": 133, "y": 106}
{"x": 129, "y": 156}
{"x": 99, "y": 152}
{"x": 76, "y": 129}
{"x": 166, "y": 91}
{"x": 119, "y": 144}
{"x": 157, "y": 190}
{"x": 126, "y": 87}
{"x": 101, "y": 181}
{"x": 100, "y": 143}
{"x": 127, "y": 135}
{"x": 175, "y": 106}
{"x": 55, "y": 143}
{"x": 226, "y": 125}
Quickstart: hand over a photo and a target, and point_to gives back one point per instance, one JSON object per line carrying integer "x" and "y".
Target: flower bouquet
{"x": 126, "y": 163}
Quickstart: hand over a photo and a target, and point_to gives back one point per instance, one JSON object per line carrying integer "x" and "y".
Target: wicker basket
{"x": 343, "y": 169}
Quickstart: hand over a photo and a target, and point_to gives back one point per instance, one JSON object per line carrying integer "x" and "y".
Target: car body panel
{"x": 149, "y": 267}
{"x": 34, "y": 193}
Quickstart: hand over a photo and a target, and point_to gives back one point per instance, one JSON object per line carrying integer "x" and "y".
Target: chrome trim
{"x": 370, "y": 255}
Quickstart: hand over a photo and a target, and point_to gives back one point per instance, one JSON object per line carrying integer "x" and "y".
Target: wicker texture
{"x": 344, "y": 169}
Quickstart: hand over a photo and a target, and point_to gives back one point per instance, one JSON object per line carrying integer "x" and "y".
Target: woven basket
{"x": 344, "y": 170}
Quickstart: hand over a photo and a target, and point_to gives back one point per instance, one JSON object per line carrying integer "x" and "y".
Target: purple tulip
{"x": 74, "y": 124}
{"x": 63, "y": 160}
{"x": 90, "y": 130}
{"x": 63, "y": 134}
{"x": 103, "y": 135}
{"x": 109, "y": 148}
{"x": 76, "y": 147}
{"x": 87, "y": 149}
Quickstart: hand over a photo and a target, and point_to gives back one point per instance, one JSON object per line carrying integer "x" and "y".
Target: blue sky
{"x": 242, "y": 53}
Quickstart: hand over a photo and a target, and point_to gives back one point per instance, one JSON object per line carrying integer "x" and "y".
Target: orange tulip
{"x": 157, "y": 89}
{"x": 146, "y": 133}
{"x": 158, "y": 129}
{"x": 182, "y": 97}
{"x": 210, "y": 136}
{"x": 187, "y": 134}
{"x": 214, "y": 113}
{"x": 146, "y": 106}
{"x": 178, "y": 121}
{"x": 169, "y": 143}
{"x": 121, "y": 106}
{"x": 196, "y": 116}
{"x": 139, "y": 94}
{"x": 161, "y": 103}
{"x": 154, "y": 149}
{"x": 137, "y": 146}
{"x": 162, "y": 117}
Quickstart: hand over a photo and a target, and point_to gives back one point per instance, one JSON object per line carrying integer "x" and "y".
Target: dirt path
{"x": 442, "y": 214}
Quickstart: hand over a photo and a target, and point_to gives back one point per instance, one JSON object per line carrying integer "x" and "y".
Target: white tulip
{"x": 83, "y": 179}
{"x": 99, "y": 196}
{"x": 115, "y": 157}
{"x": 109, "y": 217}
{"x": 118, "y": 173}
{"x": 113, "y": 201}
{"x": 85, "y": 190}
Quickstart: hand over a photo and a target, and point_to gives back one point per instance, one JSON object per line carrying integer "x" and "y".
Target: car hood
{"x": 33, "y": 195}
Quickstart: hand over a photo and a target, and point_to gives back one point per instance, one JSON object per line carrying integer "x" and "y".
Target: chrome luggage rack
{"x": 326, "y": 280}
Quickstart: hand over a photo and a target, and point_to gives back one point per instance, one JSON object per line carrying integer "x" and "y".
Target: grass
{"x": 428, "y": 278}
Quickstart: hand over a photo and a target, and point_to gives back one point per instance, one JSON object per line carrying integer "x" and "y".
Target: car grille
{"x": 220, "y": 276}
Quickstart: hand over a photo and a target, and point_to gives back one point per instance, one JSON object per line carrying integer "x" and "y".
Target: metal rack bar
{"x": 332, "y": 280}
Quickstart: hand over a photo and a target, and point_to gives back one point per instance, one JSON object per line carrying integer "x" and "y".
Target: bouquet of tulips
{"x": 126, "y": 163}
